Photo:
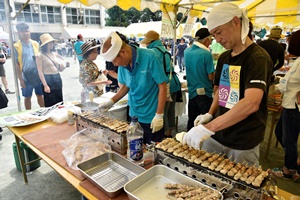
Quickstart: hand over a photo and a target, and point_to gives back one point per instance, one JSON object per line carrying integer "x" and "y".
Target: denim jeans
{"x": 200, "y": 104}
{"x": 287, "y": 132}
{"x": 180, "y": 60}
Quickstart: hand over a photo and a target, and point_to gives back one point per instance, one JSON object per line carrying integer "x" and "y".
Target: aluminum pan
{"x": 110, "y": 172}
{"x": 150, "y": 184}
{"x": 88, "y": 106}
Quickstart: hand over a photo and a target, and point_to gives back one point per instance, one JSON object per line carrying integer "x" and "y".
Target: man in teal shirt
{"x": 199, "y": 75}
{"x": 77, "y": 49}
{"x": 142, "y": 77}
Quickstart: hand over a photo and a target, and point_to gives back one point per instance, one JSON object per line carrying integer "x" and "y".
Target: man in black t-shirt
{"x": 242, "y": 78}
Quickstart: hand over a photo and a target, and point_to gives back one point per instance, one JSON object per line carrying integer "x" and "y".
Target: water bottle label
{"x": 136, "y": 149}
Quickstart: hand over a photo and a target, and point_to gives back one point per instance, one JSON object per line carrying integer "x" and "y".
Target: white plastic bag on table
{"x": 83, "y": 146}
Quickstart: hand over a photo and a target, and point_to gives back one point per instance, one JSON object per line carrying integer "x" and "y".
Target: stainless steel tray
{"x": 110, "y": 172}
{"x": 150, "y": 184}
{"x": 87, "y": 106}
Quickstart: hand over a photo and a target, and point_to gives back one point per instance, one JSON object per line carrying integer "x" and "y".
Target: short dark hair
{"x": 123, "y": 37}
{"x": 44, "y": 48}
{"x": 294, "y": 44}
{"x": 22, "y": 27}
{"x": 250, "y": 30}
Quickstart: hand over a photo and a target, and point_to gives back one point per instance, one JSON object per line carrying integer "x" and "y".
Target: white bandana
{"x": 112, "y": 52}
{"x": 223, "y": 13}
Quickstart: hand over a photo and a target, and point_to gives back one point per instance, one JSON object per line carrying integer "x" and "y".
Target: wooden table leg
{"x": 271, "y": 133}
{"x": 22, "y": 163}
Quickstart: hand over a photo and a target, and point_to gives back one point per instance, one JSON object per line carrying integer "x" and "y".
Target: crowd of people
{"x": 227, "y": 107}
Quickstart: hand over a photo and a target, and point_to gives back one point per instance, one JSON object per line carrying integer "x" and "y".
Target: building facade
{"x": 61, "y": 21}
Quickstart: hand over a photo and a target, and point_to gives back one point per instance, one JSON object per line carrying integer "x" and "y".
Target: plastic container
{"x": 30, "y": 156}
{"x": 135, "y": 135}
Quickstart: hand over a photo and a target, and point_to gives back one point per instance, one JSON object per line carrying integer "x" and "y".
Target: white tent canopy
{"x": 4, "y": 35}
{"x": 139, "y": 29}
{"x": 71, "y": 33}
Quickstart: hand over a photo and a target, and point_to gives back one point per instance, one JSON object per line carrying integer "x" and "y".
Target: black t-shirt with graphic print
{"x": 249, "y": 69}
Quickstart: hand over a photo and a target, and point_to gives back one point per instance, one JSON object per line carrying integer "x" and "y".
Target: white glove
{"x": 157, "y": 122}
{"x": 105, "y": 106}
{"x": 203, "y": 119}
{"x": 196, "y": 136}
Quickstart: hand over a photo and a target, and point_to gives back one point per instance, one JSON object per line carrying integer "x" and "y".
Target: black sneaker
{"x": 9, "y": 92}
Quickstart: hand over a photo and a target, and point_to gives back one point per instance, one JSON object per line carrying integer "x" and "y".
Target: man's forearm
{"x": 121, "y": 93}
{"x": 162, "y": 94}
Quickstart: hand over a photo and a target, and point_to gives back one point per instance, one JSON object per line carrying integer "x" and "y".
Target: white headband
{"x": 116, "y": 44}
{"x": 223, "y": 13}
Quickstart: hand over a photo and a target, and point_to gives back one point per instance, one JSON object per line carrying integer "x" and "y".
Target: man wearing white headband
{"x": 236, "y": 121}
{"x": 142, "y": 77}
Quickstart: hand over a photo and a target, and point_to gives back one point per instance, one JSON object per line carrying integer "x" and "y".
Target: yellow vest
{"x": 18, "y": 46}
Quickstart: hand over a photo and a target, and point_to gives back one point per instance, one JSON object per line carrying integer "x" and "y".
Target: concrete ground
{"x": 44, "y": 183}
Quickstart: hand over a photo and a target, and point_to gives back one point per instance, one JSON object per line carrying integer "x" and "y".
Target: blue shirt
{"x": 28, "y": 58}
{"x": 199, "y": 64}
{"x": 143, "y": 84}
{"x": 77, "y": 49}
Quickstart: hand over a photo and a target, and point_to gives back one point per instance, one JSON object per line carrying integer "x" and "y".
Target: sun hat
{"x": 46, "y": 38}
{"x": 87, "y": 46}
{"x": 202, "y": 33}
{"x": 149, "y": 37}
{"x": 116, "y": 45}
{"x": 275, "y": 32}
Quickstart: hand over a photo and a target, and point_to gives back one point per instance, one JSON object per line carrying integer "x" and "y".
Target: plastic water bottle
{"x": 83, "y": 96}
{"x": 135, "y": 135}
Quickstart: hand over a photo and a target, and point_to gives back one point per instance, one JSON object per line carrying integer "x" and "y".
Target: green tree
{"x": 116, "y": 17}
{"x": 119, "y": 17}
{"x": 148, "y": 16}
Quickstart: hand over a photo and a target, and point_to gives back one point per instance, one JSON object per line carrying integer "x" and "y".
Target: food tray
{"x": 110, "y": 172}
{"x": 150, "y": 184}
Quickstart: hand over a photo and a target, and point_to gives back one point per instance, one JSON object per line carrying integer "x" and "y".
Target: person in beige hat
{"x": 49, "y": 64}
{"x": 274, "y": 49}
{"x": 152, "y": 41}
{"x": 150, "y": 36}
{"x": 89, "y": 74}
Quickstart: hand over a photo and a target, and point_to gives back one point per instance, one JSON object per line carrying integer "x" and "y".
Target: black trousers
{"x": 197, "y": 105}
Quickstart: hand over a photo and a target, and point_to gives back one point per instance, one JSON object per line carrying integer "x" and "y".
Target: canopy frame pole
{"x": 11, "y": 43}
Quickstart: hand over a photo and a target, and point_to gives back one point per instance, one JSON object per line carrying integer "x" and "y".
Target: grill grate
{"x": 110, "y": 175}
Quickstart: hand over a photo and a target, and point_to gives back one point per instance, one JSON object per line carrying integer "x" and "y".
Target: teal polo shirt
{"x": 199, "y": 63}
{"x": 77, "y": 49}
{"x": 143, "y": 82}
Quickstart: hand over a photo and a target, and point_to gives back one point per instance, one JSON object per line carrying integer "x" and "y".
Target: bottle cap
{"x": 134, "y": 119}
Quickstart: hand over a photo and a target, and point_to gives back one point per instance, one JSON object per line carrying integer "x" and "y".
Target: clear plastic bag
{"x": 83, "y": 146}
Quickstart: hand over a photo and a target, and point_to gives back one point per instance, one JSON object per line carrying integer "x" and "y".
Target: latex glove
{"x": 179, "y": 136}
{"x": 157, "y": 122}
{"x": 105, "y": 106}
{"x": 196, "y": 136}
{"x": 203, "y": 119}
